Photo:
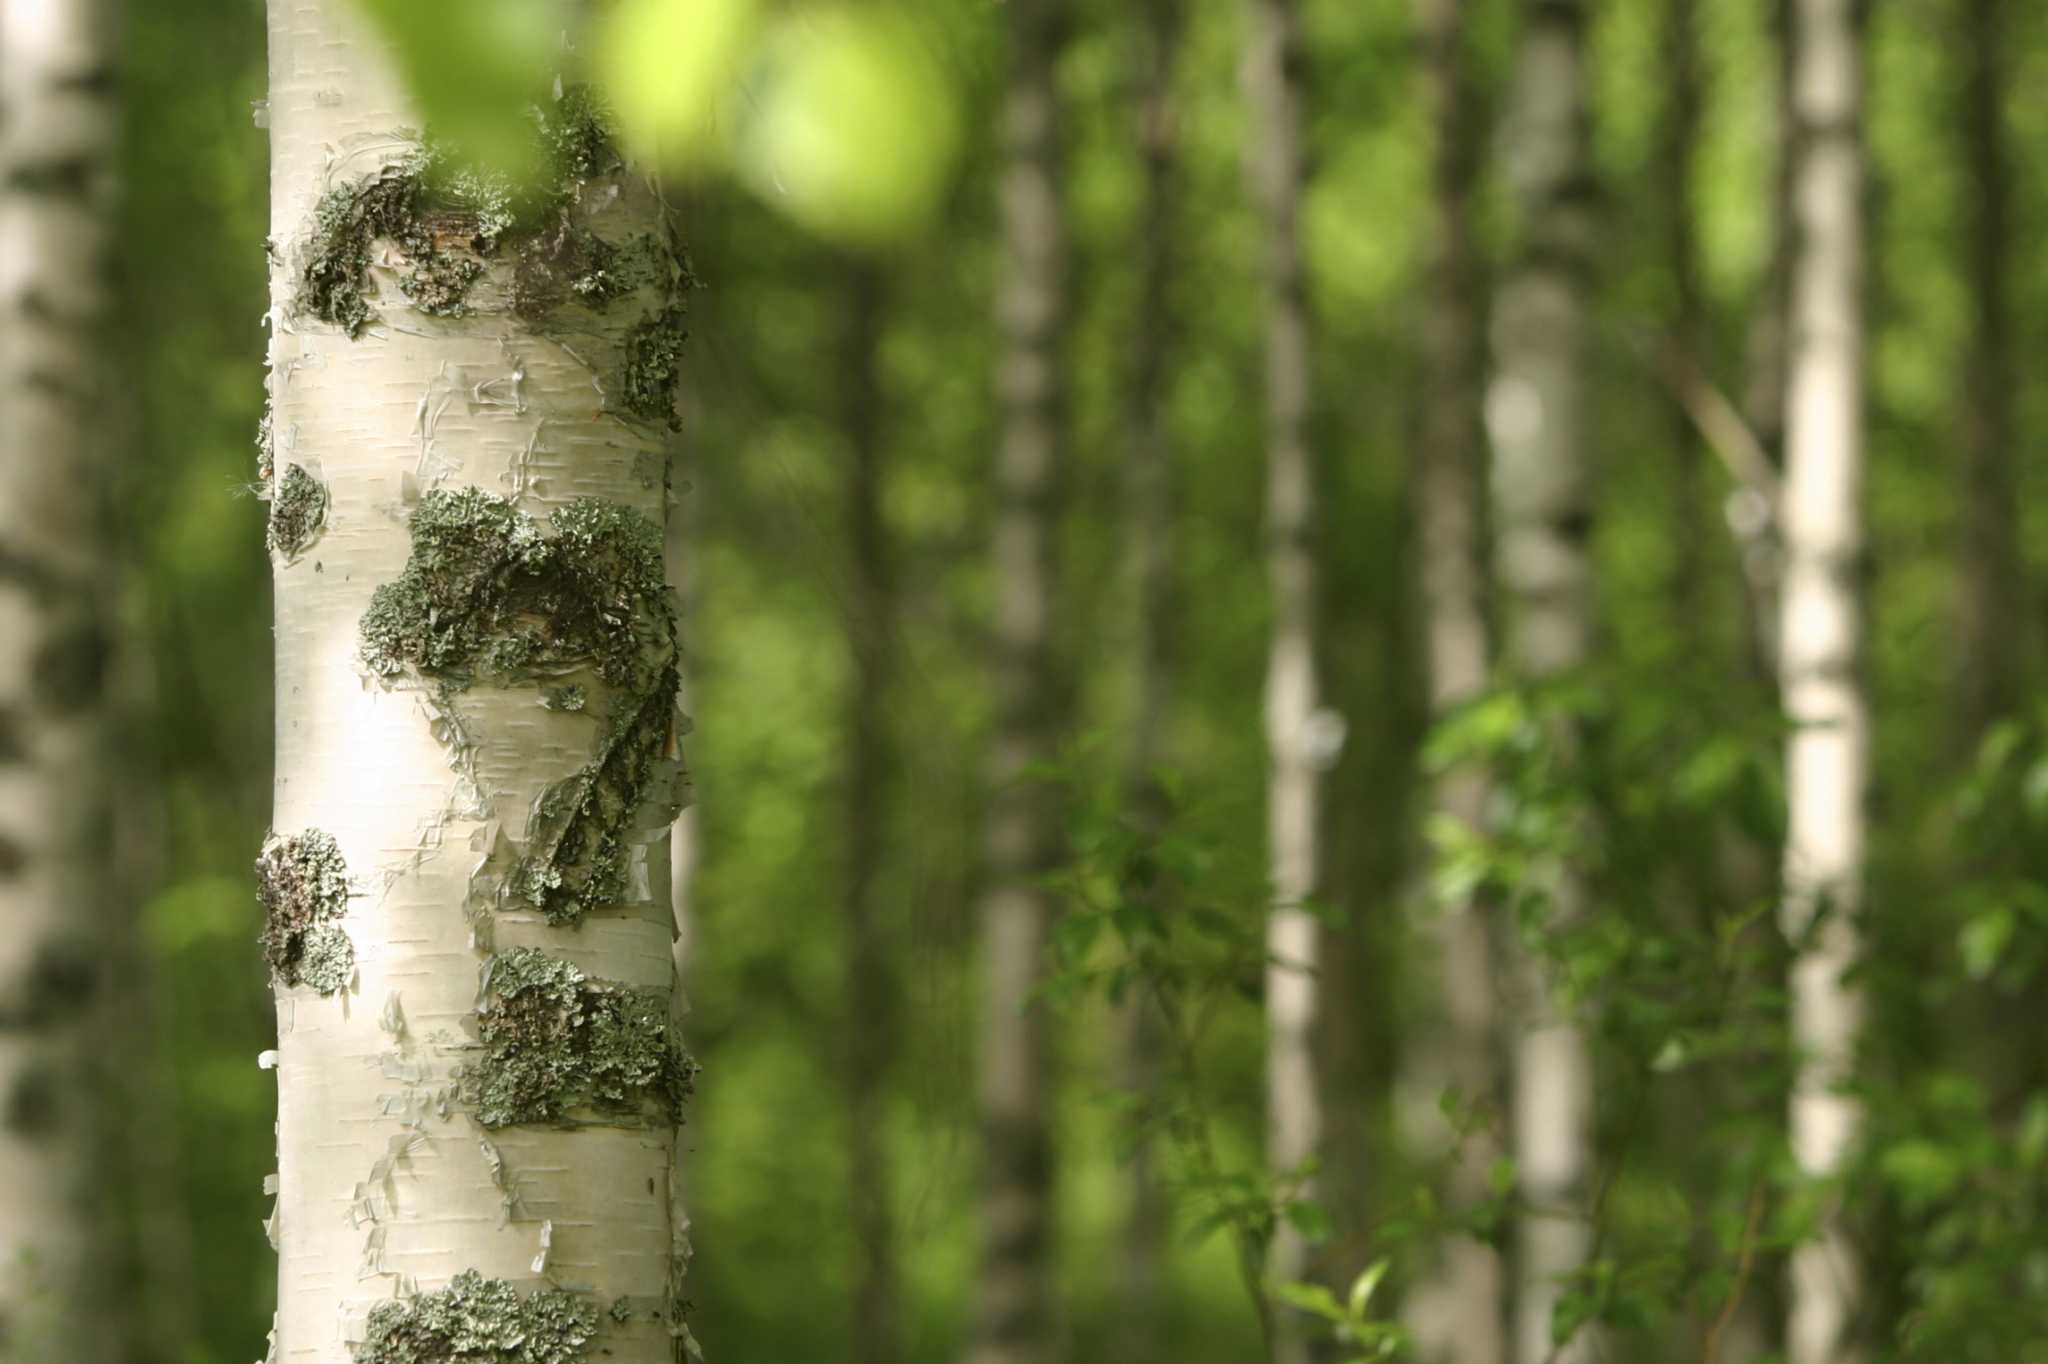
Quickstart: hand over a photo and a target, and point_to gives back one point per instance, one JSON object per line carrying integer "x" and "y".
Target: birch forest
{"x": 1023, "y": 682}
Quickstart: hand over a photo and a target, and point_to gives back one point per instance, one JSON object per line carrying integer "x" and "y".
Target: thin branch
{"x": 1710, "y": 1353}
{"x": 1718, "y": 419}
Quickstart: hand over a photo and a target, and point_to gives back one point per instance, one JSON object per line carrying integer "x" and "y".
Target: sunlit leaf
{"x": 846, "y": 123}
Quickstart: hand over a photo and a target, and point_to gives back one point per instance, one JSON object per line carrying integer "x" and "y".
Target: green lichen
{"x": 578, "y": 839}
{"x": 487, "y": 594}
{"x": 565, "y": 262}
{"x": 569, "y": 698}
{"x": 298, "y": 512}
{"x": 442, "y": 223}
{"x": 556, "y": 1040}
{"x": 576, "y": 136}
{"x": 654, "y": 352}
{"x": 303, "y": 884}
{"x": 475, "y": 1320}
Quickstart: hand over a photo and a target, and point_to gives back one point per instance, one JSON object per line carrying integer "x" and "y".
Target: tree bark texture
{"x": 58, "y": 895}
{"x": 1458, "y": 1312}
{"x": 1293, "y": 718}
{"x": 1827, "y": 753}
{"x": 1013, "y": 1322}
{"x": 467, "y": 885}
{"x": 1535, "y": 411}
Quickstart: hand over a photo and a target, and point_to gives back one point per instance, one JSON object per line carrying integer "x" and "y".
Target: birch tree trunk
{"x": 1458, "y": 1314}
{"x": 1295, "y": 724}
{"x": 1013, "y": 1322}
{"x": 1827, "y": 754}
{"x": 57, "y": 891}
{"x": 1149, "y": 512}
{"x": 870, "y": 988}
{"x": 1535, "y": 410}
{"x": 1994, "y": 615}
{"x": 467, "y": 885}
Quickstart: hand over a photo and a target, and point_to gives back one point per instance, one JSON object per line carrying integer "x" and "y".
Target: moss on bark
{"x": 556, "y": 1040}
{"x": 303, "y": 884}
{"x": 475, "y": 1320}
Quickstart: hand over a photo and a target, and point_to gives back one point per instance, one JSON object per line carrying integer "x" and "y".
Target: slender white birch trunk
{"x": 1827, "y": 755}
{"x": 1014, "y": 1294}
{"x": 57, "y": 892}
{"x": 1296, "y": 740}
{"x": 467, "y": 885}
{"x": 1458, "y": 1313}
{"x": 1535, "y": 410}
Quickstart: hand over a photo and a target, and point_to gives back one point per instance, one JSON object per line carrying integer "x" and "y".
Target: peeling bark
{"x": 58, "y": 897}
{"x": 476, "y": 669}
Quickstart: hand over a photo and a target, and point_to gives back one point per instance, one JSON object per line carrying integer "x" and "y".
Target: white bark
{"x": 57, "y": 137}
{"x": 1535, "y": 415}
{"x": 1827, "y": 755}
{"x": 1014, "y": 1294}
{"x": 387, "y": 1184}
{"x": 1458, "y": 1311}
{"x": 1300, "y": 737}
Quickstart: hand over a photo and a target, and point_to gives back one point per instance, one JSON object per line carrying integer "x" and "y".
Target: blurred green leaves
{"x": 837, "y": 115}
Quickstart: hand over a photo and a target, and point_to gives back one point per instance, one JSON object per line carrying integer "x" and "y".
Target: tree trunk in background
{"x": 1535, "y": 410}
{"x": 477, "y": 741}
{"x": 1681, "y": 66}
{"x": 1827, "y": 755}
{"x": 870, "y": 985}
{"x": 58, "y": 896}
{"x": 1013, "y": 1322}
{"x": 1994, "y": 617}
{"x": 1149, "y": 513}
{"x": 1294, "y": 742}
{"x": 1458, "y": 1314}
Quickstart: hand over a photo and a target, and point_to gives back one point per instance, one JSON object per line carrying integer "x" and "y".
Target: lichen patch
{"x": 475, "y": 1320}
{"x": 298, "y": 512}
{"x": 303, "y": 884}
{"x": 556, "y": 1040}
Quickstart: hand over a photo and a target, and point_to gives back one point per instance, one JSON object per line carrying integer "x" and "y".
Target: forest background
{"x": 1678, "y": 759}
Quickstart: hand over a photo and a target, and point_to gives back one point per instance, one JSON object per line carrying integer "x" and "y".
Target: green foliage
{"x": 475, "y": 1320}
{"x": 555, "y": 1040}
{"x": 303, "y": 884}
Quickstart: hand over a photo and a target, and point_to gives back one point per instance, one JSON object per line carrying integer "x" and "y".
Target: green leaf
{"x": 1310, "y": 1297}
{"x": 1311, "y": 1219}
{"x": 1362, "y": 1287}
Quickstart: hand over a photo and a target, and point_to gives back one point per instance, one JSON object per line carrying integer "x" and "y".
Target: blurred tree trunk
{"x": 1014, "y": 1312}
{"x": 1149, "y": 513}
{"x": 1681, "y": 66}
{"x": 1459, "y": 1313}
{"x": 1295, "y": 723}
{"x": 870, "y": 985}
{"x": 1827, "y": 754}
{"x": 467, "y": 472}
{"x": 60, "y": 1294}
{"x": 1993, "y": 615}
{"x": 1535, "y": 410}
